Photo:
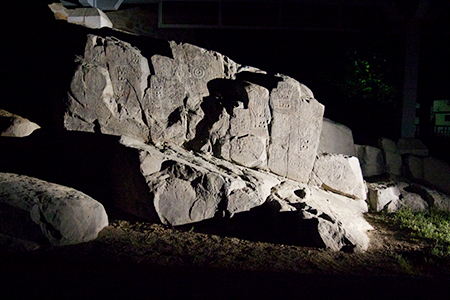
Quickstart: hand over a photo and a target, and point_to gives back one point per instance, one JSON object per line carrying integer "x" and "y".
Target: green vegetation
{"x": 433, "y": 225}
{"x": 368, "y": 76}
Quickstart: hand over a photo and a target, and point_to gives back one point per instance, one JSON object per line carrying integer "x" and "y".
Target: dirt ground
{"x": 139, "y": 260}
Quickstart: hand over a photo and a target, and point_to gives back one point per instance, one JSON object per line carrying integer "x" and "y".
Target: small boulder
{"x": 382, "y": 194}
{"x": 371, "y": 160}
{"x": 15, "y": 126}
{"x": 44, "y": 213}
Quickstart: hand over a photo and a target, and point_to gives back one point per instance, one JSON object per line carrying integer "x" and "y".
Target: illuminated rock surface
{"x": 43, "y": 213}
{"x": 15, "y": 126}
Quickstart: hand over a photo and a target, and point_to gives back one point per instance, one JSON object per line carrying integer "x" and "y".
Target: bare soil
{"x": 152, "y": 261}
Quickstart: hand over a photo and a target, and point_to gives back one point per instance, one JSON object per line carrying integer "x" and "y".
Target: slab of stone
{"x": 412, "y": 146}
{"x": 15, "y": 126}
{"x": 89, "y": 17}
{"x": 371, "y": 160}
{"x": 392, "y": 156}
{"x": 107, "y": 90}
{"x": 294, "y": 131}
{"x": 44, "y": 213}
{"x": 383, "y": 195}
{"x": 340, "y": 174}
{"x": 437, "y": 173}
{"x": 336, "y": 138}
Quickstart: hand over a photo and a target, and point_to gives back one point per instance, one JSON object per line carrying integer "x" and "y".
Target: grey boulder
{"x": 44, "y": 213}
{"x": 15, "y": 126}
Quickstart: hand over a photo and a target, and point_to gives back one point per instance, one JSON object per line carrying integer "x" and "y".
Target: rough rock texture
{"x": 382, "y": 194}
{"x": 437, "y": 173}
{"x": 195, "y": 99}
{"x": 392, "y": 156}
{"x": 44, "y": 213}
{"x": 336, "y": 138}
{"x": 340, "y": 174}
{"x": 295, "y": 130}
{"x": 371, "y": 160}
{"x": 15, "y": 126}
{"x": 107, "y": 90}
{"x": 336, "y": 221}
{"x": 188, "y": 188}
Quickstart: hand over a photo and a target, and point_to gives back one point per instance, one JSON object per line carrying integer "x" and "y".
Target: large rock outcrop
{"x": 43, "y": 213}
{"x": 215, "y": 140}
{"x": 195, "y": 99}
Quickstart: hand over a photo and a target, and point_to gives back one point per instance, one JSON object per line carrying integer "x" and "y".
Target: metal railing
{"x": 441, "y": 131}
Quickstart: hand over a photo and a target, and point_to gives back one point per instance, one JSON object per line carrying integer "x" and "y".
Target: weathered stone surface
{"x": 107, "y": 90}
{"x": 371, "y": 160}
{"x": 89, "y": 17}
{"x": 412, "y": 146}
{"x": 294, "y": 131}
{"x": 45, "y": 213}
{"x": 193, "y": 99}
{"x": 392, "y": 156}
{"x": 437, "y": 173}
{"x": 15, "y": 126}
{"x": 188, "y": 188}
{"x": 340, "y": 174}
{"x": 382, "y": 194}
{"x": 336, "y": 138}
{"x": 338, "y": 221}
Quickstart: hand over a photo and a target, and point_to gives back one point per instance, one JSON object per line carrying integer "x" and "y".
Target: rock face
{"x": 371, "y": 160}
{"x": 340, "y": 174}
{"x": 196, "y": 100}
{"x": 188, "y": 188}
{"x": 216, "y": 140}
{"x": 336, "y": 138}
{"x": 336, "y": 221}
{"x": 43, "y": 213}
{"x": 14, "y": 126}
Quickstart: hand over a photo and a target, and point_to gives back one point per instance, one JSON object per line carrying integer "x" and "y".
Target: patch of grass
{"x": 432, "y": 224}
